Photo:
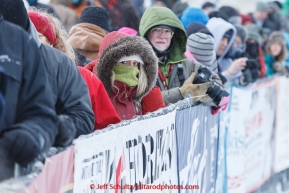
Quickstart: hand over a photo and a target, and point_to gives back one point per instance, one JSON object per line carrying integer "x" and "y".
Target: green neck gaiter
{"x": 126, "y": 74}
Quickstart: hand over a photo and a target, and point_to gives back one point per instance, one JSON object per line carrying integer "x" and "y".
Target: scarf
{"x": 126, "y": 74}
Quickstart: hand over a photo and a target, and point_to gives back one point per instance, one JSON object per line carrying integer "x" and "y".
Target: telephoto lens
{"x": 216, "y": 93}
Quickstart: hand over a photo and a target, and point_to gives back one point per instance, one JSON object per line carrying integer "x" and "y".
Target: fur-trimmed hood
{"x": 114, "y": 46}
{"x": 277, "y": 37}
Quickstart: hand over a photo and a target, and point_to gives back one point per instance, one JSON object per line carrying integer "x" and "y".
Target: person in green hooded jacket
{"x": 165, "y": 32}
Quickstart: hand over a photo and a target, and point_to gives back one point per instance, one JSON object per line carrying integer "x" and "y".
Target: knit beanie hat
{"x": 95, "y": 15}
{"x": 193, "y": 14}
{"x": 218, "y": 14}
{"x": 253, "y": 32}
{"x": 132, "y": 57}
{"x": 261, "y": 6}
{"x": 202, "y": 46}
{"x": 197, "y": 27}
{"x": 179, "y": 7}
{"x": 128, "y": 31}
{"x": 246, "y": 19}
{"x": 208, "y": 4}
{"x": 21, "y": 19}
{"x": 43, "y": 25}
{"x": 241, "y": 32}
{"x": 229, "y": 11}
{"x": 232, "y": 14}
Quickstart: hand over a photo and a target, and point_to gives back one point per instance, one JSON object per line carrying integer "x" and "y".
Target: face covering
{"x": 252, "y": 49}
{"x": 126, "y": 74}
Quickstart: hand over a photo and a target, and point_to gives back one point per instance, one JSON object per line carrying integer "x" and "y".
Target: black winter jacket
{"x": 28, "y": 96}
{"x": 69, "y": 91}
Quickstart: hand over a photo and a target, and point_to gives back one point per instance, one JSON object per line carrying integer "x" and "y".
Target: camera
{"x": 215, "y": 91}
{"x": 250, "y": 73}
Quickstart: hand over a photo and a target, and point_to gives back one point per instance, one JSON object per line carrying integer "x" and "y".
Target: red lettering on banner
{"x": 161, "y": 187}
{"x": 254, "y": 124}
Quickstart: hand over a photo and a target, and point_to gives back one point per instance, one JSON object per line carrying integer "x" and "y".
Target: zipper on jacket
{"x": 137, "y": 107}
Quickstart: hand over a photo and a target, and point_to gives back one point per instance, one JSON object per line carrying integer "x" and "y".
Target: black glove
{"x": 250, "y": 73}
{"x": 66, "y": 131}
{"x": 246, "y": 77}
{"x": 19, "y": 145}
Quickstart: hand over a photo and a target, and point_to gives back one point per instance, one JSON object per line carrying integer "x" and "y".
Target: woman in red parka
{"x": 127, "y": 66}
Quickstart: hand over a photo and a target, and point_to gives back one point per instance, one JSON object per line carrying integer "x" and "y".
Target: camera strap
{"x": 163, "y": 78}
{"x": 181, "y": 74}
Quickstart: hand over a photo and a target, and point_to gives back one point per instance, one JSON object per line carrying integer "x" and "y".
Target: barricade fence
{"x": 181, "y": 148}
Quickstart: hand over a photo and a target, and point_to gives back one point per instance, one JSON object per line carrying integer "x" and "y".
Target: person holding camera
{"x": 239, "y": 49}
{"x": 225, "y": 34}
{"x": 176, "y": 74}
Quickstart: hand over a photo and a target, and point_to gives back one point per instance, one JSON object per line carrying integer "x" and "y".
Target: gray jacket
{"x": 173, "y": 94}
{"x": 69, "y": 91}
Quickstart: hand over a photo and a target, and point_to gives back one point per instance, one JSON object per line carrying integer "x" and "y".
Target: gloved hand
{"x": 195, "y": 89}
{"x": 153, "y": 101}
{"x": 216, "y": 110}
{"x": 19, "y": 145}
{"x": 279, "y": 67}
{"x": 246, "y": 77}
{"x": 249, "y": 76}
{"x": 66, "y": 131}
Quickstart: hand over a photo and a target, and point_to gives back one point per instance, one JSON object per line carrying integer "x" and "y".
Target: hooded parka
{"x": 155, "y": 16}
{"x": 115, "y": 46}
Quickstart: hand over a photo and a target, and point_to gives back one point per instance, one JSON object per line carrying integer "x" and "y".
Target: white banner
{"x": 281, "y": 161}
{"x": 259, "y": 124}
{"x": 235, "y": 145}
{"x": 249, "y": 148}
{"x": 141, "y": 155}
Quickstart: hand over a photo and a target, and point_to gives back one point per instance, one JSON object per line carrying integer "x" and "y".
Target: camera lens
{"x": 203, "y": 76}
{"x": 214, "y": 90}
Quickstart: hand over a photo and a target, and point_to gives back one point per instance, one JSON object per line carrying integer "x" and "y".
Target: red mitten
{"x": 91, "y": 66}
{"x": 153, "y": 101}
{"x": 215, "y": 110}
